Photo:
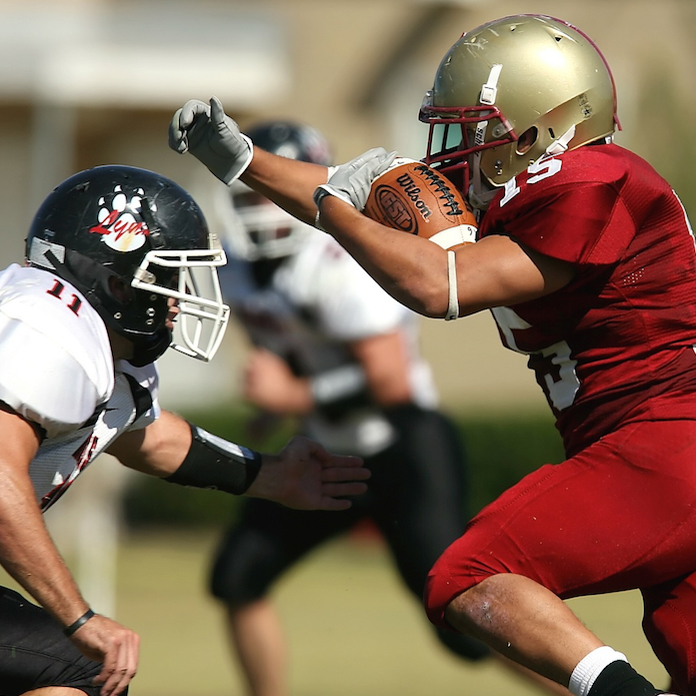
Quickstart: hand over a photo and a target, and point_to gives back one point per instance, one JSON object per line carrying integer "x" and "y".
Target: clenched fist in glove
{"x": 351, "y": 182}
{"x": 212, "y": 137}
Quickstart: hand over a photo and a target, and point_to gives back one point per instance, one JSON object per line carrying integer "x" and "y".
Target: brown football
{"x": 413, "y": 197}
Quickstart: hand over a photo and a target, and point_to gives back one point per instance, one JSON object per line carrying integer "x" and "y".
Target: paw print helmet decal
{"x": 134, "y": 243}
{"x": 122, "y": 230}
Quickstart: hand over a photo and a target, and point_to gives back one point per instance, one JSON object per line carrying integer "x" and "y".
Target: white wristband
{"x": 453, "y": 308}
{"x": 238, "y": 168}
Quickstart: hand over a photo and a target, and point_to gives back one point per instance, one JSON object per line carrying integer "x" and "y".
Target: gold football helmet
{"x": 511, "y": 91}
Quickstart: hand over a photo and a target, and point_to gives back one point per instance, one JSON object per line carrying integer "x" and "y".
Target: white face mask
{"x": 203, "y": 316}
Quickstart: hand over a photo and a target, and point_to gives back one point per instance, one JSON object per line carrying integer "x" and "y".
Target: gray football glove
{"x": 211, "y": 137}
{"x": 351, "y": 182}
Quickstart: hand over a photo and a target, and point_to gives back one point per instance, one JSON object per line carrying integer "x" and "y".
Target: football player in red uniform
{"x": 585, "y": 257}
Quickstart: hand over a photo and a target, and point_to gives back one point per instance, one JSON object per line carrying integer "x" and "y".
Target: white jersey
{"x": 57, "y": 371}
{"x": 317, "y": 302}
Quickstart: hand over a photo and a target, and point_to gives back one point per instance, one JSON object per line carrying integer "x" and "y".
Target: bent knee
{"x": 450, "y": 577}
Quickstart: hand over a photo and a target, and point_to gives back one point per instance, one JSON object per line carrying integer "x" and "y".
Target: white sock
{"x": 589, "y": 668}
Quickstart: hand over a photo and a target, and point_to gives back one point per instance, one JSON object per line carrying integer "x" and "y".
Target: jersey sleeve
{"x": 57, "y": 365}
{"x": 569, "y": 213}
{"x": 147, "y": 379}
{"x": 44, "y": 382}
{"x": 350, "y": 304}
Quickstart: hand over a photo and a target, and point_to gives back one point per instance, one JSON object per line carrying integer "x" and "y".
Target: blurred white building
{"x": 86, "y": 82}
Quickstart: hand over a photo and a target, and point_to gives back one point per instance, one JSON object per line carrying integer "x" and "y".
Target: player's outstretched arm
{"x": 302, "y": 476}
{"x": 214, "y": 138}
{"x": 305, "y": 476}
{"x": 496, "y": 271}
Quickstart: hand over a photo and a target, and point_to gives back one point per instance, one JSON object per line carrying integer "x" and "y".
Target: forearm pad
{"x": 215, "y": 463}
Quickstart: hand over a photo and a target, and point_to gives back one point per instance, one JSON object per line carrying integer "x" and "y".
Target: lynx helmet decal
{"x": 118, "y": 221}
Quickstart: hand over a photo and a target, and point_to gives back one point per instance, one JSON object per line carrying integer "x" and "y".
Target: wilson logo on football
{"x": 117, "y": 222}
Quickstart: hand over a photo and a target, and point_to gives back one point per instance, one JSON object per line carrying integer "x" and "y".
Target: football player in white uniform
{"x": 115, "y": 255}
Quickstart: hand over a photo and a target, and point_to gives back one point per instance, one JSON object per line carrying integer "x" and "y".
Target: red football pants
{"x": 620, "y": 515}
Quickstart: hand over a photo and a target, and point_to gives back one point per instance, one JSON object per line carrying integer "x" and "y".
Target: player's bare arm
{"x": 270, "y": 385}
{"x": 28, "y": 554}
{"x": 289, "y": 183}
{"x": 495, "y": 271}
{"x": 384, "y": 361}
{"x": 157, "y": 450}
{"x": 303, "y": 475}
{"x": 26, "y": 549}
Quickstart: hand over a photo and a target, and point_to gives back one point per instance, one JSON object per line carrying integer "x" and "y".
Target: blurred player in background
{"x": 332, "y": 349}
{"x": 114, "y": 256}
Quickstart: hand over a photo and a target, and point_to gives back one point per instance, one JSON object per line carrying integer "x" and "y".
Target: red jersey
{"x": 617, "y": 343}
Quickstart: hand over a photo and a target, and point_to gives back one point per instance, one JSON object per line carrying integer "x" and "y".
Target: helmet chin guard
{"x": 203, "y": 316}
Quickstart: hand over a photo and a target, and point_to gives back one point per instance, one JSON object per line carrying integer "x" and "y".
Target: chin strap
{"x": 560, "y": 145}
{"x": 154, "y": 347}
{"x": 480, "y": 194}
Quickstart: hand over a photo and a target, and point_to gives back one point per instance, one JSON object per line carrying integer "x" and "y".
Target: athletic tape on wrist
{"x": 237, "y": 168}
{"x": 215, "y": 463}
{"x": 317, "y": 200}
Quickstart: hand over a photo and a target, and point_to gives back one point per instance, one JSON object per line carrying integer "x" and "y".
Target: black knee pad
{"x": 244, "y": 567}
{"x": 466, "y": 647}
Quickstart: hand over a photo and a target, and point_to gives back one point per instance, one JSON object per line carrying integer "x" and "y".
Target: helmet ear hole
{"x": 119, "y": 289}
{"x": 527, "y": 140}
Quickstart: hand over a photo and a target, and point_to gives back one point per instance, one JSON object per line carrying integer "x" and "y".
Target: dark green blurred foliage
{"x": 500, "y": 449}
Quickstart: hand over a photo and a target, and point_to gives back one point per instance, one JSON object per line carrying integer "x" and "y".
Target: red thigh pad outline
{"x": 620, "y": 515}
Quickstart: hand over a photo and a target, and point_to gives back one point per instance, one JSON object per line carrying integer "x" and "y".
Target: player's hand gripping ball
{"x": 413, "y": 197}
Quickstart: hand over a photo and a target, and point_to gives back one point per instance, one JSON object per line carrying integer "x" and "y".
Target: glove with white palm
{"x": 212, "y": 137}
{"x": 352, "y": 181}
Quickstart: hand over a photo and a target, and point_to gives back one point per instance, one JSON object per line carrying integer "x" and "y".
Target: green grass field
{"x": 352, "y": 628}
